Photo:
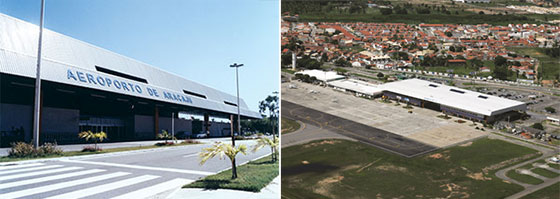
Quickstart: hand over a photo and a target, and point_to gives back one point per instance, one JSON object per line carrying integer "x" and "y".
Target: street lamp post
{"x": 236, "y": 66}
{"x": 37, "y": 111}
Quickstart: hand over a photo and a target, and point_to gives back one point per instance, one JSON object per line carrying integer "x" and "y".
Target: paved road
{"x": 146, "y": 174}
{"x": 370, "y": 135}
{"x": 546, "y": 152}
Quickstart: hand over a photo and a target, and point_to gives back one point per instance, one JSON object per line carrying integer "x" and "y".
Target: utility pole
{"x": 236, "y": 66}
{"x": 37, "y": 110}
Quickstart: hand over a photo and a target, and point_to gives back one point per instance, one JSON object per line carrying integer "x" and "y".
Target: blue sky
{"x": 197, "y": 40}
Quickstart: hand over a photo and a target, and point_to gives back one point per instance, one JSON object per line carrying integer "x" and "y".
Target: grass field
{"x": 550, "y": 192}
{"x": 523, "y": 178}
{"x": 545, "y": 173}
{"x": 289, "y": 125}
{"x": 556, "y": 166}
{"x": 550, "y": 69}
{"x": 345, "y": 169}
{"x": 252, "y": 176}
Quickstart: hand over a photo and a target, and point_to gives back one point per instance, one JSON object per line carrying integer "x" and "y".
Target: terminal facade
{"x": 85, "y": 87}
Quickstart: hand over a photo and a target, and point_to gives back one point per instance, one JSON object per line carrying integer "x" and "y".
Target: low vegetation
{"x": 546, "y": 193}
{"x": 254, "y": 176}
{"x": 222, "y": 149}
{"x": 96, "y": 137}
{"x": 338, "y": 168}
{"x": 289, "y": 125}
{"x": 26, "y": 150}
{"x": 513, "y": 174}
{"x": 545, "y": 172}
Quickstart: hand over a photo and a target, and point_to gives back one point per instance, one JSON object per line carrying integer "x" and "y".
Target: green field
{"x": 289, "y": 125}
{"x": 252, "y": 176}
{"x": 550, "y": 192}
{"x": 549, "y": 68}
{"x": 345, "y": 169}
{"x": 545, "y": 173}
{"x": 523, "y": 178}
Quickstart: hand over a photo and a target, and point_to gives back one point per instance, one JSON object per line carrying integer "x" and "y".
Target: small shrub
{"x": 21, "y": 149}
{"x": 240, "y": 137}
{"x": 260, "y": 134}
{"x": 91, "y": 149}
{"x": 50, "y": 149}
{"x": 26, "y": 150}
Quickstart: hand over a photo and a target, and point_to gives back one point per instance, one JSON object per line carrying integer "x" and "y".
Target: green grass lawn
{"x": 252, "y": 176}
{"x": 556, "y": 166}
{"x": 545, "y": 173}
{"x": 289, "y": 125}
{"x": 345, "y": 169}
{"x": 288, "y": 70}
{"x": 550, "y": 192}
{"x": 523, "y": 178}
{"x": 78, "y": 153}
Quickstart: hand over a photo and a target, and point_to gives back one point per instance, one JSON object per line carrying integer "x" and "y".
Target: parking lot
{"x": 421, "y": 125}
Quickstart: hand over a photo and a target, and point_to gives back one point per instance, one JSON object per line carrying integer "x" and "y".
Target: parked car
{"x": 201, "y": 135}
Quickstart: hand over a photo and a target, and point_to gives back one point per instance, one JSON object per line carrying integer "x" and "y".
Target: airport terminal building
{"x": 85, "y": 87}
{"x": 450, "y": 100}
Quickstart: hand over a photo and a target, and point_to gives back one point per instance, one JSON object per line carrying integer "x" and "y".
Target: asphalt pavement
{"x": 367, "y": 134}
{"x": 134, "y": 174}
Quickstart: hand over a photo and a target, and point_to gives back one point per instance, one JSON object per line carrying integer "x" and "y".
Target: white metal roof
{"x": 357, "y": 86}
{"x": 322, "y": 75}
{"x": 463, "y": 99}
{"x": 63, "y": 55}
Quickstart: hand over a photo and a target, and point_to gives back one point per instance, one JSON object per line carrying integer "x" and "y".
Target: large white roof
{"x": 322, "y": 75}
{"x": 65, "y": 58}
{"x": 454, "y": 97}
{"x": 357, "y": 86}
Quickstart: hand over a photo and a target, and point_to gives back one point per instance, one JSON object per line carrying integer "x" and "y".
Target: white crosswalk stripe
{"x": 42, "y": 189}
{"x": 29, "y": 169}
{"x": 48, "y": 178}
{"x": 22, "y": 175}
{"x": 104, "y": 188}
{"x": 155, "y": 189}
{"x": 19, "y": 166}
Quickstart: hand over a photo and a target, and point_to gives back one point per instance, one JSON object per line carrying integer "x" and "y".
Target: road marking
{"x": 191, "y": 155}
{"x": 29, "y": 169}
{"x": 20, "y": 166}
{"x": 48, "y": 178}
{"x": 21, "y": 175}
{"x": 156, "y": 189}
{"x": 104, "y": 188}
{"x": 61, "y": 185}
{"x": 204, "y": 173}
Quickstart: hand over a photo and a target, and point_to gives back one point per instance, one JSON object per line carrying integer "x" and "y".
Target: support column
{"x": 206, "y": 124}
{"x": 156, "y": 121}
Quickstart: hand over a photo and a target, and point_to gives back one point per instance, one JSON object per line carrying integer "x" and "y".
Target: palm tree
{"x": 221, "y": 149}
{"x": 95, "y": 136}
{"x": 272, "y": 143}
{"x": 165, "y": 136}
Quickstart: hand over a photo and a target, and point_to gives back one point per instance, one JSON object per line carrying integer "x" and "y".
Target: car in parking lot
{"x": 201, "y": 135}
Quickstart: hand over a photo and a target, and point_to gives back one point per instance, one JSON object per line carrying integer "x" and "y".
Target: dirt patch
{"x": 388, "y": 167}
{"x": 436, "y": 156}
{"x": 321, "y": 143}
{"x": 478, "y": 176}
{"x": 466, "y": 144}
{"x": 324, "y": 186}
{"x": 455, "y": 191}
{"x": 443, "y": 155}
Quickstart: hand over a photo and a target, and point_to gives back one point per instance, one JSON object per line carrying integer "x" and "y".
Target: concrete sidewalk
{"x": 79, "y": 147}
{"x": 271, "y": 191}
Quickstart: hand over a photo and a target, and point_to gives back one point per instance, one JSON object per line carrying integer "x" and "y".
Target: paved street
{"x": 145, "y": 174}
